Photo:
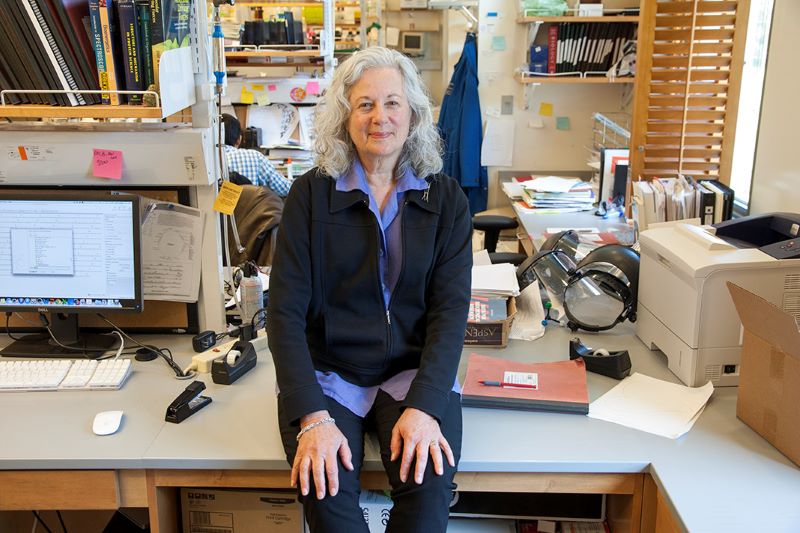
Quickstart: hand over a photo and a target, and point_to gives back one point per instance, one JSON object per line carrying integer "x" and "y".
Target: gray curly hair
{"x": 422, "y": 151}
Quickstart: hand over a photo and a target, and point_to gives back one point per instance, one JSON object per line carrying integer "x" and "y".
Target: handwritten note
{"x": 246, "y": 97}
{"x": 272, "y": 87}
{"x": 263, "y": 99}
{"x": 258, "y": 87}
{"x": 312, "y": 87}
{"x": 107, "y": 164}
{"x": 546, "y": 109}
{"x": 227, "y": 198}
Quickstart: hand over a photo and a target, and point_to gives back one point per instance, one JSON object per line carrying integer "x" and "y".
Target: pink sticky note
{"x": 107, "y": 164}
{"x": 312, "y": 87}
{"x": 272, "y": 87}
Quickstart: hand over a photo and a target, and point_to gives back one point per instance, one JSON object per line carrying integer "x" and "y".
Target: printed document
{"x": 172, "y": 237}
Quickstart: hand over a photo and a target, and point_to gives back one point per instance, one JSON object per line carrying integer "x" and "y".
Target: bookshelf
{"x": 576, "y": 73}
{"x": 169, "y": 155}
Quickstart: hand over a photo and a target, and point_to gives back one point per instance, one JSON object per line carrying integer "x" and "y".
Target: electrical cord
{"x": 8, "y": 328}
{"x": 84, "y": 352}
{"x": 61, "y": 520}
{"x": 164, "y": 353}
{"x": 262, "y": 322}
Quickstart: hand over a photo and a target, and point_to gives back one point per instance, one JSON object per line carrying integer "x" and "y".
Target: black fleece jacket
{"x": 326, "y": 309}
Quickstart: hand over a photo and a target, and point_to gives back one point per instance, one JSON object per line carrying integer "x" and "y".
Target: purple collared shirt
{"x": 357, "y": 399}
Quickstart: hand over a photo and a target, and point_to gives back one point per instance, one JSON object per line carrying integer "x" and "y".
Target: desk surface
{"x": 721, "y": 476}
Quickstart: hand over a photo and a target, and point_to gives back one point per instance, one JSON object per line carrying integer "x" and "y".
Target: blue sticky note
{"x": 562, "y": 123}
{"x": 499, "y": 43}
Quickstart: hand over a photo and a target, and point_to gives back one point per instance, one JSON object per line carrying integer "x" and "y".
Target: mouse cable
{"x": 39, "y": 519}
{"x": 165, "y": 353}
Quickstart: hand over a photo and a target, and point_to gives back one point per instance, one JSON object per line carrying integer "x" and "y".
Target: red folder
{"x": 561, "y": 387}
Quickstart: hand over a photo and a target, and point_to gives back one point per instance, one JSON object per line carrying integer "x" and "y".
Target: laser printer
{"x": 684, "y": 307}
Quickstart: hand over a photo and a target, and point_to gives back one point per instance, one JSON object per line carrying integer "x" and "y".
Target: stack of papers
{"x": 652, "y": 405}
{"x": 495, "y": 280}
{"x": 553, "y": 194}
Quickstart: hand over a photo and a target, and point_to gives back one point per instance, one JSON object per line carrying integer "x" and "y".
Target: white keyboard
{"x": 63, "y": 374}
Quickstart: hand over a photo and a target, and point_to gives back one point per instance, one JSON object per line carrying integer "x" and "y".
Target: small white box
{"x": 241, "y": 511}
{"x": 590, "y": 10}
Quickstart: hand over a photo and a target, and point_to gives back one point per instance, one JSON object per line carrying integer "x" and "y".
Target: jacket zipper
{"x": 399, "y": 276}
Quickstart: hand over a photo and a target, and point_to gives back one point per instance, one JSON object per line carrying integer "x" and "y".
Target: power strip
{"x": 201, "y": 362}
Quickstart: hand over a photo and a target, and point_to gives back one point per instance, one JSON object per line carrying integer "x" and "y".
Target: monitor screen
{"x": 412, "y": 43}
{"x": 70, "y": 253}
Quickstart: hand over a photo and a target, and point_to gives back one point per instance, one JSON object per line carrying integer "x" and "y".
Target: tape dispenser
{"x": 615, "y": 365}
{"x": 236, "y": 363}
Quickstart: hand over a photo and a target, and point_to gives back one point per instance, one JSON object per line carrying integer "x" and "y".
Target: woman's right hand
{"x": 317, "y": 453}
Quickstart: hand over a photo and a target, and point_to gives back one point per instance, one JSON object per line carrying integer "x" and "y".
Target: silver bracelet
{"x": 312, "y": 425}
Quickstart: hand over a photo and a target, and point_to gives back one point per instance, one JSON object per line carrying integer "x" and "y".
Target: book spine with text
{"x": 146, "y": 55}
{"x": 106, "y": 26}
{"x": 99, "y": 50}
{"x": 131, "y": 46}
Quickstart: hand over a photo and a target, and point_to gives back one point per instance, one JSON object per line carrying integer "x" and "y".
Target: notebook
{"x": 560, "y": 386}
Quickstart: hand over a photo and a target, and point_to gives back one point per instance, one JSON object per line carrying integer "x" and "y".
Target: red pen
{"x": 506, "y": 384}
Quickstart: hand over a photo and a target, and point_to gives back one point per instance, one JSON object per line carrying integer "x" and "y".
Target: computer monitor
{"x": 412, "y": 43}
{"x": 65, "y": 254}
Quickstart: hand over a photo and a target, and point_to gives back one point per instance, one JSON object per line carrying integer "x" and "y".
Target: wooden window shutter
{"x": 689, "y": 62}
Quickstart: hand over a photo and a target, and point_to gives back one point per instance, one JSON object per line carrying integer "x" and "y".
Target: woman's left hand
{"x": 418, "y": 434}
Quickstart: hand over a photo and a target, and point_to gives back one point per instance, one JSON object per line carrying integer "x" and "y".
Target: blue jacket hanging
{"x": 461, "y": 128}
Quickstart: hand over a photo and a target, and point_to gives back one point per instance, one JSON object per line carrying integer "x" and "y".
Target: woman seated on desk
{"x": 369, "y": 293}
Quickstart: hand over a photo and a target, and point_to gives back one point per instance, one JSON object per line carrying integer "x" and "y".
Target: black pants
{"x": 417, "y": 508}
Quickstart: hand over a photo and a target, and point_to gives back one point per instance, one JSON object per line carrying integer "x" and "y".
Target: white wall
{"x": 546, "y": 148}
{"x": 776, "y": 175}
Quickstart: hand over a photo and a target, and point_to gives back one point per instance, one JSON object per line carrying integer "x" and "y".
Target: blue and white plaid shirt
{"x": 255, "y": 166}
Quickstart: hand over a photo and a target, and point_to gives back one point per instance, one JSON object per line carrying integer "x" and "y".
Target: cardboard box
{"x": 769, "y": 379}
{"x": 240, "y": 511}
{"x": 376, "y": 508}
{"x": 491, "y": 334}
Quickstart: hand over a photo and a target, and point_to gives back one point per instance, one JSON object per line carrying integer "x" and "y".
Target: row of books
{"x": 586, "y": 47}
{"x": 285, "y": 30}
{"x": 668, "y": 199}
{"x": 84, "y": 45}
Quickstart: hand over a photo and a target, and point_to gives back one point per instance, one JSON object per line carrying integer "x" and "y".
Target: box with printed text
{"x": 491, "y": 333}
{"x": 240, "y": 511}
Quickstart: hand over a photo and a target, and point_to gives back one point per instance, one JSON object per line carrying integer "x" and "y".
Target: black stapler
{"x": 187, "y": 403}
{"x": 236, "y": 363}
{"x": 615, "y": 365}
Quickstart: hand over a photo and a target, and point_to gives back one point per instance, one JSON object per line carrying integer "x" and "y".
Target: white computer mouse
{"x": 107, "y": 422}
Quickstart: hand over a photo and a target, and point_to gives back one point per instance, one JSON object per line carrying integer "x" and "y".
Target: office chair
{"x": 491, "y": 226}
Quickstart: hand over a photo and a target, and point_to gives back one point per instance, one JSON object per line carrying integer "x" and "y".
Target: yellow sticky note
{"x": 546, "y": 109}
{"x": 247, "y": 96}
{"x": 258, "y": 87}
{"x": 263, "y": 99}
{"x": 227, "y": 198}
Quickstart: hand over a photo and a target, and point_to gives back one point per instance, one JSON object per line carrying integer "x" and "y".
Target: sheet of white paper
{"x": 495, "y": 279}
{"x": 172, "y": 237}
{"x": 652, "y": 405}
{"x": 277, "y": 122}
{"x": 392, "y": 36}
{"x": 527, "y": 324}
{"x": 551, "y": 184}
{"x": 497, "y": 149}
{"x": 307, "y": 132}
{"x": 481, "y": 258}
